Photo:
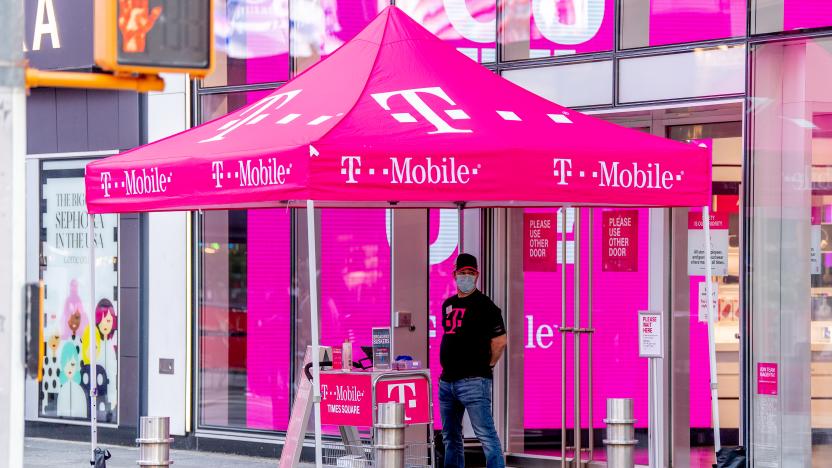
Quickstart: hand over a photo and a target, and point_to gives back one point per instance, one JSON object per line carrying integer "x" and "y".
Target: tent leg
{"x": 313, "y": 296}
{"x": 93, "y": 349}
{"x": 706, "y": 226}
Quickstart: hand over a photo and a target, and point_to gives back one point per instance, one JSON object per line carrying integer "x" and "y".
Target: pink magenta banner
{"x": 402, "y": 130}
{"x": 539, "y": 246}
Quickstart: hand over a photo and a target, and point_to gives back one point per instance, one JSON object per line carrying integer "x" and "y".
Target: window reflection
{"x": 251, "y": 41}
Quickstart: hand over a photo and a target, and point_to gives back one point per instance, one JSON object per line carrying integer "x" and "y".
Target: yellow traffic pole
{"x": 59, "y": 79}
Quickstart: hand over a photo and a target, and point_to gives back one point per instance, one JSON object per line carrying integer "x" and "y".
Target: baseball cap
{"x": 465, "y": 261}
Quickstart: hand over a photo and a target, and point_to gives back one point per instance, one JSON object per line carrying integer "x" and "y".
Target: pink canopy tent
{"x": 395, "y": 117}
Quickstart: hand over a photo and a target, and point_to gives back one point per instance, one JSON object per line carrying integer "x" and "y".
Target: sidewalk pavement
{"x": 43, "y": 453}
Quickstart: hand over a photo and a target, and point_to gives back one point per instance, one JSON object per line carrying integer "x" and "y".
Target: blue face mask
{"x": 466, "y": 283}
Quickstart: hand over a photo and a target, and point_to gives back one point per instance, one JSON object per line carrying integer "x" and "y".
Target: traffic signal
{"x": 155, "y": 36}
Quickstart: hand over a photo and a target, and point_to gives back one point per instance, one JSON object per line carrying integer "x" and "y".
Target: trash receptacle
{"x": 620, "y": 439}
{"x": 389, "y": 435}
{"x": 154, "y": 441}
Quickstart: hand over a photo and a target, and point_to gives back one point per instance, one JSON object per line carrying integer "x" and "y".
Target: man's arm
{"x": 498, "y": 345}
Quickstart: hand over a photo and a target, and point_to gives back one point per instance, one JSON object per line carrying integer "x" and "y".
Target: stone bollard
{"x": 389, "y": 440}
{"x": 154, "y": 441}
{"x": 620, "y": 439}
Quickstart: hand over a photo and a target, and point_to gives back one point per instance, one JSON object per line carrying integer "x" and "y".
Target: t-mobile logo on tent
{"x": 409, "y": 170}
{"x": 413, "y": 97}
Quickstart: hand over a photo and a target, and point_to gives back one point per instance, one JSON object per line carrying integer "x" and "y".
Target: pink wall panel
{"x": 268, "y": 325}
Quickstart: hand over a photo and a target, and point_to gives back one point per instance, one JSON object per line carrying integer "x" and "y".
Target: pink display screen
{"x": 253, "y": 35}
{"x": 679, "y": 21}
{"x": 268, "y": 332}
{"x": 468, "y": 25}
{"x": 319, "y": 28}
{"x": 571, "y": 27}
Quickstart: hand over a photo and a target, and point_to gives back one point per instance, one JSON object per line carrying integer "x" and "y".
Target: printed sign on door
{"x": 719, "y": 244}
{"x": 539, "y": 242}
{"x": 620, "y": 240}
{"x": 649, "y": 334}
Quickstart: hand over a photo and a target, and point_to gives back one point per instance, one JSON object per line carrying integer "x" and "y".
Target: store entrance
{"x": 578, "y": 332}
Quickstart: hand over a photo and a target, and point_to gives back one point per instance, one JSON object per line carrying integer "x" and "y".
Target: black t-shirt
{"x": 469, "y": 323}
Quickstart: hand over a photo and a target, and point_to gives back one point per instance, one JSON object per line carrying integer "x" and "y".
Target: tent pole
{"x": 706, "y": 226}
{"x": 313, "y": 300}
{"x": 91, "y": 344}
{"x": 563, "y": 331}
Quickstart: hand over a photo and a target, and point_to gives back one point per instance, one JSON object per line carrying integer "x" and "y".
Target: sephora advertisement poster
{"x": 68, "y": 311}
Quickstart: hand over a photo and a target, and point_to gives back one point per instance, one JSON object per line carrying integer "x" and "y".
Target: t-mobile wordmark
{"x": 250, "y": 173}
{"x": 406, "y": 395}
{"x": 410, "y": 170}
{"x": 147, "y": 181}
{"x": 618, "y": 175}
{"x": 414, "y": 98}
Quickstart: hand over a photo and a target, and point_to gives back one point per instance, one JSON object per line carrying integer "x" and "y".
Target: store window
{"x": 535, "y": 29}
{"x": 251, "y": 41}
{"x": 470, "y": 26}
{"x": 662, "y": 22}
{"x": 244, "y": 260}
{"x": 791, "y": 275}
{"x": 214, "y": 106}
{"x": 244, "y": 317}
{"x": 320, "y": 27}
{"x": 724, "y": 142}
{"x": 64, "y": 383}
{"x": 769, "y": 16}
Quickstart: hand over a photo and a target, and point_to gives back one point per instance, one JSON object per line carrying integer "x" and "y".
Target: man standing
{"x": 474, "y": 340}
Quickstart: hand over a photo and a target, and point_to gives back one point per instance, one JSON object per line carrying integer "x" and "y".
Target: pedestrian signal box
{"x": 155, "y": 36}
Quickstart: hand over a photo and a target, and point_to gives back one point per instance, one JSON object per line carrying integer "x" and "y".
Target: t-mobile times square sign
{"x": 347, "y": 397}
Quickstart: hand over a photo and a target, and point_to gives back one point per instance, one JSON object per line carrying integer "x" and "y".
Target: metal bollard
{"x": 620, "y": 439}
{"x": 154, "y": 441}
{"x": 389, "y": 443}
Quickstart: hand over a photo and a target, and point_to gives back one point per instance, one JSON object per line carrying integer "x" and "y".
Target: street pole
{"x": 12, "y": 231}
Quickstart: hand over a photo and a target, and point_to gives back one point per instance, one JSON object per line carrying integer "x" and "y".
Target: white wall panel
{"x": 168, "y": 296}
{"x": 701, "y": 73}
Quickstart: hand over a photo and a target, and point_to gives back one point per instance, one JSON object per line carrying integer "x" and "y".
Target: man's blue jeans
{"x": 474, "y": 395}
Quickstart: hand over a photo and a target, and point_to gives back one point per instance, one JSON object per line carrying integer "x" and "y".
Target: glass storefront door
{"x": 691, "y": 401}
{"x": 791, "y": 155}
{"x": 557, "y": 389}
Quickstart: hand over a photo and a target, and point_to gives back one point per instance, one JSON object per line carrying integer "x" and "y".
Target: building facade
{"x": 212, "y": 307}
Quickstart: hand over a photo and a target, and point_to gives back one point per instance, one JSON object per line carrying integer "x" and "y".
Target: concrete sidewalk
{"x": 43, "y": 453}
